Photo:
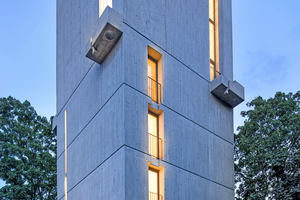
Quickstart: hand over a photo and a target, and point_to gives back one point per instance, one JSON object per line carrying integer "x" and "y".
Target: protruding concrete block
{"x": 231, "y": 92}
{"x": 104, "y": 43}
{"x": 105, "y": 38}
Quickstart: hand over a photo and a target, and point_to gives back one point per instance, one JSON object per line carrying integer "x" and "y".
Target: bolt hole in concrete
{"x": 110, "y": 35}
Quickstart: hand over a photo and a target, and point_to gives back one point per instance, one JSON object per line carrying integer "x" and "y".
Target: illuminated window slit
{"x": 103, "y": 4}
{"x": 154, "y": 87}
{"x": 65, "y": 180}
{"x": 154, "y": 187}
{"x": 213, "y": 38}
{"x": 155, "y": 141}
{"x": 155, "y": 75}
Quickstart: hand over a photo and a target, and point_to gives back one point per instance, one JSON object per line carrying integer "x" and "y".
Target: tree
{"x": 267, "y": 149}
{"x": 27, "y": 152}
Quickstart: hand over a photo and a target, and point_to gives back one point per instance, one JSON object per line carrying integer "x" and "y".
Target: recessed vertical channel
{"x": 65, "y": 181}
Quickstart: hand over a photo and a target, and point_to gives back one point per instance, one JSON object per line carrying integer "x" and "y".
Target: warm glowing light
{"x": 153, "y": 184}
{"x": 153, "y": 135}
{"x": 65, "y": 180}
{"x": 156, "y": 182}
{"x": 103, "y": 4}
{"x": 65, "y": 186}
{"x": 153, "y": 181}
{"x": 212, "y": 41}
{"x": 152, "y": 68}
{"x": 212, "y": 10}
{"x": 213, "y": 37}
{"x": 152, "y": 73}
{"x": 152, "y": 124}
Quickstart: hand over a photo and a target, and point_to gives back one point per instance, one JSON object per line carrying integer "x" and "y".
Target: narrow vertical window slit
{"x": 66, "y": 167}
{"x": 213, "y": 38}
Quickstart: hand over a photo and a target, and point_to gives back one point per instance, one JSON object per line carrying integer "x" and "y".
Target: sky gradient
{"x": 266, "y": 48}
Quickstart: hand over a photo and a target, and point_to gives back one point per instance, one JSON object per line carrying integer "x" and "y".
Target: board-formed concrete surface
{"x": 107, "y": 105}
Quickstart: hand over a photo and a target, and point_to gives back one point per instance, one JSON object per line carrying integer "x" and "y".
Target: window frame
{"x": 156, "y": 57}
{"x": 214, "y": 63}
{"x": 156, "y": 78}
{"x": 158, "y": 185}
{"x": 159, "y": 149}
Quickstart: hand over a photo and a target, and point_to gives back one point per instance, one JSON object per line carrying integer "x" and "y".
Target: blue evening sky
{"x": 266, "y": 47}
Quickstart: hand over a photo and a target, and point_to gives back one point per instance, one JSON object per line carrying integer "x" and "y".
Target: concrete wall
{"x": 104, "y": 182}
{"x": 179, "y": 183}
{"x": 107, "y": 104}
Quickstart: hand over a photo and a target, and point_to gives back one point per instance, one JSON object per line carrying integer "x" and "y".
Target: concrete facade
{"x": 107, "y": 105}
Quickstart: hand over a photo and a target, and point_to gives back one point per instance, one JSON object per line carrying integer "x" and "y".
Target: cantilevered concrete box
{"x": 231, "y": 92}
{"x": 106, "y": 36}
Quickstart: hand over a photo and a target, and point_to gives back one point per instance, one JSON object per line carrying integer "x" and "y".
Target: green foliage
{"x": 267, "y": 149}
{"x": 27, "y": 152}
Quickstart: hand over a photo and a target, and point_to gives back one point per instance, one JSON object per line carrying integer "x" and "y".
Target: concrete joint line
{"x": 196, "y": 123}
{"x": 97, "y": 167}
{"x": 126, "y": 23}
{"x": 181, "y": 115}
{"x": 92, "y": 118}
{"x": 198, "y": 175}
{"x": 63, "y": 108}
{"x": 180, "y": 168}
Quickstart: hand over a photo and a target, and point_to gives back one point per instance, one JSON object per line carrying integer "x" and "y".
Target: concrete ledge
{"x": 231, "y": 92}
{"x": 106, "y": 36}
{"x": 155, "y": 108}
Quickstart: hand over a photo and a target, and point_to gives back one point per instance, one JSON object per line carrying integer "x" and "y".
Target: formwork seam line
{"x": 165, "y": 51}
{"x": 75, "y": 89}
{"x": 92, "y": 118}
{"x": 180, "y": 168}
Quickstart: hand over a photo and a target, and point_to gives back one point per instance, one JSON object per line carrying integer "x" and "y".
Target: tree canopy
{"x": 27, "y": 152}
{"x": 267, "y": 149}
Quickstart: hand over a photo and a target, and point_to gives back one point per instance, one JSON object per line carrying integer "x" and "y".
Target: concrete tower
{"x": 145, "y": 98}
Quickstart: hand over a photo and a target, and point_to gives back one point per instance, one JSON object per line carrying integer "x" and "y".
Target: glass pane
{"x": 152, "y": 69}
{"x": 153, "y": 136}
{"x": 216, "y": 10}
{"x": 152, "y": 82}
{"x": 152, "y": 124}
{"x": 109, "y": 3}
{"x": 152, "y": 89}
{"x": 211, "y": 10}
{"x": 212, "y": 41}
{"x": 153, "y": 182}
{"x": 153, "y": 146}
{"x": 103, "y": 4}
